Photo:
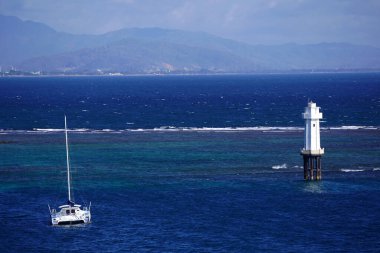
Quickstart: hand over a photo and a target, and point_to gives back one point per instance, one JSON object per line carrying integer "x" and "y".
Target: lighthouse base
{"x": 312, "y": 167}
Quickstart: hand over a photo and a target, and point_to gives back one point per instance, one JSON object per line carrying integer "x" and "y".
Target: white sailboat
{"x": 70, "y": 213}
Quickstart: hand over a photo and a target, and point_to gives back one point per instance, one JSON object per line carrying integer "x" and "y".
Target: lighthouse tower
{"x": 312, "y": 151}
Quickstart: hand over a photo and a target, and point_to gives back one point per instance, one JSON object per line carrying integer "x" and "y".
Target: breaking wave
{"x": 282, "y": 166}
{"x": 187, "y": 129}
{"x": 352, "y": 170}
{"x": 352, "y": 128}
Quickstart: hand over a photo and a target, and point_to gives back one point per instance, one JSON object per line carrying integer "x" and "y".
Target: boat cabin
{"x": 67, "y": 209}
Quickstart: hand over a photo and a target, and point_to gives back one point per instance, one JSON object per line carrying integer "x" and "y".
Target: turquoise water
{"x": 192, "y": 192}
{"x": 189, "y": 188}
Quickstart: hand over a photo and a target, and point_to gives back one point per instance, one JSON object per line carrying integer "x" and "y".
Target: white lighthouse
{"x": 312, "y": 151}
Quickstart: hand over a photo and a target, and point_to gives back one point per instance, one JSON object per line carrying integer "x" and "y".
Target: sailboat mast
{"x": 68, "y": 162}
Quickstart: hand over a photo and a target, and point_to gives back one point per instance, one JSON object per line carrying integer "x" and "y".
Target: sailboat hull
{"x": 70, "y": 215}
{"x": 71, "y": 222}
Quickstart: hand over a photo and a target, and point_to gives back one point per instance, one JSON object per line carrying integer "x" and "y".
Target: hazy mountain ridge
{"x": 136, "y": 56}
{"x": 32, "y": 46}
{"x": 20, "y": 40}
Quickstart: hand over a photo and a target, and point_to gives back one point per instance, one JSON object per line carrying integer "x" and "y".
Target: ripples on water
{"x": 190, "y": 192}
{"x": 187, "y": 101}
{"x": 232, "y": 184}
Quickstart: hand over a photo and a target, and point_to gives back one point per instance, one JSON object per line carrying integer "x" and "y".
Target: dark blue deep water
{"x": 187, "y": 101}
{"x": 190, "y": 163}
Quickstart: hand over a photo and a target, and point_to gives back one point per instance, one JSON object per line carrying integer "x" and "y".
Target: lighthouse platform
{"x": 318, "y": 152}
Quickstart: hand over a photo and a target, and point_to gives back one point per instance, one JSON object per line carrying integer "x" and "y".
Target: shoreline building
{"x": 312, "y": 151}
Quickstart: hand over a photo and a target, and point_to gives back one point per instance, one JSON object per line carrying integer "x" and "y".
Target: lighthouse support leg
{"x": 319, "y": 168}
{"x": 312, "y": 167}
{"x": 305, "y": 167}
{"x": 316, "y": 168}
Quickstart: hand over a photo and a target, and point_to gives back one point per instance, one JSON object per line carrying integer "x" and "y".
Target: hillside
{"x": 31, "y": 46}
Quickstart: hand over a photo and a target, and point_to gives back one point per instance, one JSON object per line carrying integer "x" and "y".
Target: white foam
{"x": 376, "y": 169}
{"x": 226, "y": 129}
{"x": 351, "y": 170}
{"x": 137, "y": 130}
{"x": 282, "y": 166}
{"x": 264, "y": 129}
{"x": 79, "y": 130}
{"x": 166, "y": 129}
{"x": 46, "y": 130}
{"x": 351, "y": 128}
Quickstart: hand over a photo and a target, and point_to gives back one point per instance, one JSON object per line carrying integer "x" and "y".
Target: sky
{"x": 251, "y": 21}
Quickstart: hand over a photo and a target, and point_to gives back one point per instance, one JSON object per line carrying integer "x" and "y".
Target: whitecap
{"x": 351, "y": 170}
{"x": 270, "y": 129}
{"x": 352, "y": 128}
{"x": 137, "y": 130}
{"x": 79, "y": 130}
{"x": 48, "y": 129}
{"x": 282, "y": 166}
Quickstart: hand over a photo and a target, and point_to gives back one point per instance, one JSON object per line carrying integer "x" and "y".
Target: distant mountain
{"x": 21, "y": 40}
{"x": 137, "y": 56}
{"x": 32, "y": 46}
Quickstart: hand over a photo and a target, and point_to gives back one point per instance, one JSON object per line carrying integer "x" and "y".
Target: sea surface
{"x": 190, "y": 163}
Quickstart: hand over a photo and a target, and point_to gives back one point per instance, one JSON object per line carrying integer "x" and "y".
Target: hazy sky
{"x": 253, "y": 21}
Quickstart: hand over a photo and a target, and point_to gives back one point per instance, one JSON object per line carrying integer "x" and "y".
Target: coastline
{"x": 301, "y": 72}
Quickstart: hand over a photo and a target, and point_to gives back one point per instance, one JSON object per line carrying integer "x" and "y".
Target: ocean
{"x": 190, "y": 163}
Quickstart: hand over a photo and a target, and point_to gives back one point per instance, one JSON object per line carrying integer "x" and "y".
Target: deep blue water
{"x": 188, "y": 101}
{"x": 190, "y": 188}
